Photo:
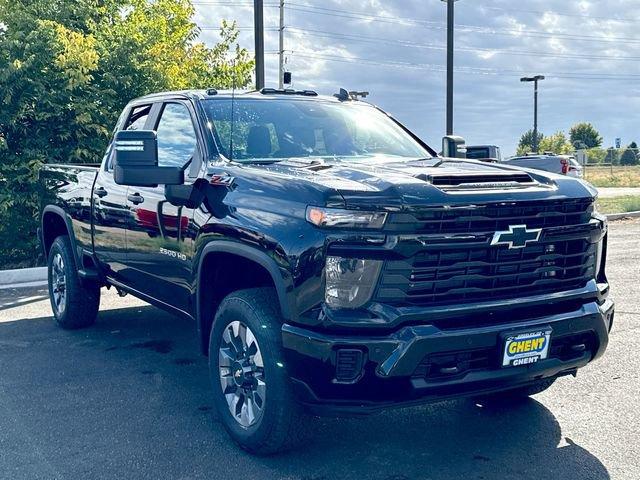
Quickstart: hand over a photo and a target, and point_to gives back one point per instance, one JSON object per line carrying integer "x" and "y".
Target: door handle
{"x": 136, "y": 198}
{"x": 101, "y": 192}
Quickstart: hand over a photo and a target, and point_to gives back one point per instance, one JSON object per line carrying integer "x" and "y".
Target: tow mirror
{"x": 136, "y": 161}
{"x": 190, "y": 196}
{"x": 453, "y": 147}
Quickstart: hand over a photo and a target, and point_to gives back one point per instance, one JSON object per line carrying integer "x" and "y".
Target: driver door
{"x": 159, "y": 236}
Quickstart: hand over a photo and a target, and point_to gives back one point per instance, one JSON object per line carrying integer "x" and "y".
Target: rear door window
{"x": 136, "y": 120}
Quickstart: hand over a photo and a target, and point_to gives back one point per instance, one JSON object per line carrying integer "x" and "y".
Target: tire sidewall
{"x": 59, "y": 246}
{"x": 267, "y": 331}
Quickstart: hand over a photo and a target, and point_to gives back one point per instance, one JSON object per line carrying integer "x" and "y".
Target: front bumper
{"x": 422, "y": 363}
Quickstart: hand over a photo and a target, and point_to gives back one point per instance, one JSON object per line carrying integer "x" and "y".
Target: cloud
{"x": 395, "y": 50}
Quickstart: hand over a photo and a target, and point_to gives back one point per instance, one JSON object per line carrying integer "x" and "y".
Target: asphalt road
{"x": 129, "y": 399}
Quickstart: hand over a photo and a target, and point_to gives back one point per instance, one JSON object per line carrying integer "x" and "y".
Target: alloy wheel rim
{"x": 58, "y": 283}
{"x": 242, "y": 374}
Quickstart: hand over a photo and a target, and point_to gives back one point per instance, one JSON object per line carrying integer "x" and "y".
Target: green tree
{"x": 526, "y": 142}
{"x": 68, "y": 67}
{"x": 556, "y": 143}
{"x": 630, "y": 156}
{"x": 584, "y": 135}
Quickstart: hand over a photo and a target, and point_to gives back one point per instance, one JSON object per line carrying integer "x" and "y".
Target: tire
{"x": 267, "y": 418}
{"x": 74, "y": 304}
{"x": 519, "y": 394}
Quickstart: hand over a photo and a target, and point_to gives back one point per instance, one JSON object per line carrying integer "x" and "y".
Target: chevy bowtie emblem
{"x": 518, "y": 236}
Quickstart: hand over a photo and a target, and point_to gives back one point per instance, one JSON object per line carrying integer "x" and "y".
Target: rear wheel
{"x": 250, "y": 384}
{"x": 74, "y": 304}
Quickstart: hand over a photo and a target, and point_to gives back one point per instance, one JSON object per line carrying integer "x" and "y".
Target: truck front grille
{"x": 492, "y": 217}
{"x": 458, "y": 268}
{"x": 437, "y": 276}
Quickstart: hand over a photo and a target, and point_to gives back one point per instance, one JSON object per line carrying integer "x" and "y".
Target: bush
{"x": 68, "y": 67}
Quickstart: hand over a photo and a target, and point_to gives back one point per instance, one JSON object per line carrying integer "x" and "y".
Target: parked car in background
{"x": 549, "y": 162}
{"x": 484, "y": 153}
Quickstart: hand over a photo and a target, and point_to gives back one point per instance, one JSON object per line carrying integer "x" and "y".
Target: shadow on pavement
{"x": 17, "y": 297}
{"x": 129, "y": 398}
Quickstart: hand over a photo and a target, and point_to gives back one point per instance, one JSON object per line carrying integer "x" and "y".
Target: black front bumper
{"x": 397, "y": 369}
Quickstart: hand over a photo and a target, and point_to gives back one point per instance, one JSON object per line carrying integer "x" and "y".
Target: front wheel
{"x": 74, "y": 304}
{"x": 250, "y": 384}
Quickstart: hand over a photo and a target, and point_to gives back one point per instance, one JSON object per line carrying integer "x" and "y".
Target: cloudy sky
{"x": 589, "y": 51}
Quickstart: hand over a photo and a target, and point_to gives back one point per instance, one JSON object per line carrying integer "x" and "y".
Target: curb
{"x": 30, "y": 276}
{"x": 620, "y": 216}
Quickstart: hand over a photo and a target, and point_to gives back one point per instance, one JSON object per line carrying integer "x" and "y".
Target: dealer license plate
{"x": 526, "y": 348}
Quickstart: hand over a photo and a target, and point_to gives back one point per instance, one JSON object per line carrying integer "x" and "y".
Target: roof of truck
{"x": 258, "y": 94}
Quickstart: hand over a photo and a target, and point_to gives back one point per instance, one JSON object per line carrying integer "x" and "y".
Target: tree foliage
{"x": 556, "y": 143}
{"x": 630, "y": 156}
{"x": 584, "y": 135}
{"x": 526, "y": 144}
{"x": 68, "y": 67}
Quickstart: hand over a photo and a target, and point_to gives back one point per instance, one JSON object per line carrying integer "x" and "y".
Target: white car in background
{"x": 562, "y": 164}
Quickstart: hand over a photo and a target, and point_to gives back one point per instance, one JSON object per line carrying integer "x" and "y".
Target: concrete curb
{"x": 620, "y": 216}
{"x": 32, "y": 276}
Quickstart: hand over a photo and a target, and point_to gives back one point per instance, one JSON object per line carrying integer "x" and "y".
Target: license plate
{"x": 526, "y": 348}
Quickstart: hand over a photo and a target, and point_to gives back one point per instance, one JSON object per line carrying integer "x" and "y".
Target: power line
{"x": 439, "y": 26}
{"x": 407, "y": 43}
{"x": 467, "y": 70}
{"x": 563, "y": 14}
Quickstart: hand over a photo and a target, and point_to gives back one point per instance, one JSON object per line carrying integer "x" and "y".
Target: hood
{"x": 395, "y": 185}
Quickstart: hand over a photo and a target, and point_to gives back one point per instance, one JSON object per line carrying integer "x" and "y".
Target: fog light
{"x": 350, "y": 281}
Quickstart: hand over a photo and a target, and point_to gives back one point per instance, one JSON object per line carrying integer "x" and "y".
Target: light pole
{"x": 535, "y": 81}
{"x": 450, "y": 38}
{"x": 281, "y": 50}
{"x": 258, "y": 24}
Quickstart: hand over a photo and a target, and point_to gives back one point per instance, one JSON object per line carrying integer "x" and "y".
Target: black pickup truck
{"x": 332, "y": 262}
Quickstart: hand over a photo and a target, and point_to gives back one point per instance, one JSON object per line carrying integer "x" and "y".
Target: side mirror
{"x": 453, "y": 147}
{"x": 189, "y": 196}
{"x": 136, "y": 161}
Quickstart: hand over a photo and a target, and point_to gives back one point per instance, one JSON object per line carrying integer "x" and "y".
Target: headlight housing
{"x": 350, "y": 282}
{"x": 337, "y": 218}
{"x": 601, "y": 247}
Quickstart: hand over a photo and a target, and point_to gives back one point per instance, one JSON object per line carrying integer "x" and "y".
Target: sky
{"x": 588, "y": 50}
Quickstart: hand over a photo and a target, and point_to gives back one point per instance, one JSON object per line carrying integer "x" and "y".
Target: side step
{"x": 88, "y": 275}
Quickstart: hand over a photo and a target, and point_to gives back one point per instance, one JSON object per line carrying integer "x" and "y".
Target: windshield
{"x": 277, "y": 129}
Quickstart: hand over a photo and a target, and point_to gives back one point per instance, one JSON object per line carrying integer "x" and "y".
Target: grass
{"x": 619, "y": 204}
{"x": 616, "y": 177}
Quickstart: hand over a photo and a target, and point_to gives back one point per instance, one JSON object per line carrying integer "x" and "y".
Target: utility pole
{"x": 450, "y": 46}
{"x": 281, "y": 51}
{"x": 535, "y": 81}
{"x": 258, "y": 9}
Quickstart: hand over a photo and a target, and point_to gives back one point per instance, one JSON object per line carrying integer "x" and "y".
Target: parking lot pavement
{"x": 613, "y": 192}
{"x": 129, "y": 399}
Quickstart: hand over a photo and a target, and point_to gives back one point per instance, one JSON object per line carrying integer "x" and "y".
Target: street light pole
{"x": 450, "y": 46}
{"x": 281, "y": 51}
{"x": 258, "y": 9}
{"x": 535, "y": 81}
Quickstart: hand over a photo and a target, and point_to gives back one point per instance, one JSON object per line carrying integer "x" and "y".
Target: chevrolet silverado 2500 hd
{"x": 331, "y": 262}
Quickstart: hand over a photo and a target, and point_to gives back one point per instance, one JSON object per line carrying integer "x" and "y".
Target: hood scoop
{"x": 480, "y": 181}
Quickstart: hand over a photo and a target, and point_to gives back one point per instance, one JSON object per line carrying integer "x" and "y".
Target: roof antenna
{"x": 343, "y": 96}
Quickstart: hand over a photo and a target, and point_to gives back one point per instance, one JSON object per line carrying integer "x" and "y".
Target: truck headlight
{"x": 601, "y": 247}
{"x": 601, "y": 251}
{"x": 337, "y": 218}
{"x": 350, "y": 281}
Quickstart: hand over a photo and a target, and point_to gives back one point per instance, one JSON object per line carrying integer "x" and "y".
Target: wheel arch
{"x": 56, "y": 222}
{"x": 215, "y": 260}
